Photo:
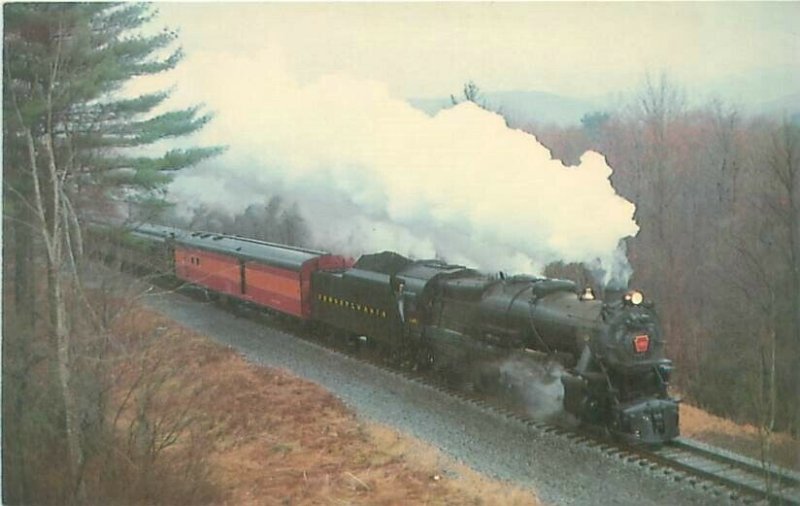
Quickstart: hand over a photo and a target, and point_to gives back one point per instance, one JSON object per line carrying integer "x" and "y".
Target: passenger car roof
{"x": 278, "y": 255}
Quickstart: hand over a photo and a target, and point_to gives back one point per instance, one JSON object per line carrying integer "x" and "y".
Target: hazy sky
{"x": 431, "y": 49}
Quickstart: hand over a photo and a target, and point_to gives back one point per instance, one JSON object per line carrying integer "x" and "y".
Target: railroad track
{"x": 717, "y": 471}
{"x": 743, "y": 475}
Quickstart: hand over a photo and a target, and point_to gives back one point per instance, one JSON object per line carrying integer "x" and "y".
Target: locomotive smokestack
{"x": 612, "y": 294}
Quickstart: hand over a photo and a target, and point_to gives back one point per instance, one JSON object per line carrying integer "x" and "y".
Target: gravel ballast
{"x": 559, "y": 471}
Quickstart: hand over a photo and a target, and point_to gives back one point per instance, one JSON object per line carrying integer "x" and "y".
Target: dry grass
{"x": 741, "y": 438}
{"x": 278, "y": 439}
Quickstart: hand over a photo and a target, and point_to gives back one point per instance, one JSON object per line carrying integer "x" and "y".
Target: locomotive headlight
{"x": 634, "y": 297}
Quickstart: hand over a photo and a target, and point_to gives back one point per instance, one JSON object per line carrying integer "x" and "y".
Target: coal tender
{"x": 615, "y": 373}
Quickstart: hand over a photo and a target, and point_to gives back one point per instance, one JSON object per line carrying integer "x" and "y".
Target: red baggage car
{"x": 267, "y": 274}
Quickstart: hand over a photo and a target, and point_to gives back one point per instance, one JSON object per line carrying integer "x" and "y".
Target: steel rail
{"x": 761, "y": 480}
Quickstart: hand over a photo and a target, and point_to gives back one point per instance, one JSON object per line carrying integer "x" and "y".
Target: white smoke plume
{"x": 372, "y": 173}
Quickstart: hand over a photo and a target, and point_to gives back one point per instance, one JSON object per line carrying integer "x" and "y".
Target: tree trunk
{"x": 58, "y": 319}
{"x": 53, "y": 237}
{"x": 21, "y": 228}
{"x": 793, "y": 149}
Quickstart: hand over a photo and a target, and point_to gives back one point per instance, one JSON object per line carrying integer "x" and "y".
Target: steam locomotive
{"x": 445, "y": 316}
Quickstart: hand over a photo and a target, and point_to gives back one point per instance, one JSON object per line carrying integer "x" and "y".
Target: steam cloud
{"x": 372, "y": 173}
{"x": 538, "y": 383}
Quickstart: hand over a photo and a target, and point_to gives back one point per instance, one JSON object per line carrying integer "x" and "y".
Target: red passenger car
{"x": 271, "y": 275}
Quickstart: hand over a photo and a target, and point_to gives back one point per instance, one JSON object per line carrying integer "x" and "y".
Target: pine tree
{"x": 66, "y": 63}
{"x": 72, "y": 139}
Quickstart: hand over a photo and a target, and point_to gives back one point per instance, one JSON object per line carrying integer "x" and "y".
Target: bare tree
{"x": 52, "y": 220}
{"x": 725, "y": 125}
{"x": 784, "y": 162}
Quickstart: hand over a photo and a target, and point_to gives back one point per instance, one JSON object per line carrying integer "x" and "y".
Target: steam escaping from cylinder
{"x": 371, "y": 173}
{"x": 536, "y": 384}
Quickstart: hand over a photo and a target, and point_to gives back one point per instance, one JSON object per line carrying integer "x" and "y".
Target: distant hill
{"x": 523, "y": 107}
{"x": 771, "y": 91}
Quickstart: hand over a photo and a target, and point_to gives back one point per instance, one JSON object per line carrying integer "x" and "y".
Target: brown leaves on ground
{"x": 278, "y": 439}
{"x": 744, "y": 439}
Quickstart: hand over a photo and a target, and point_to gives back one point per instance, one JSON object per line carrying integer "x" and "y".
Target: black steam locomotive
{"x": 449, "y": 317}
{"x": 616, "y": 375}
